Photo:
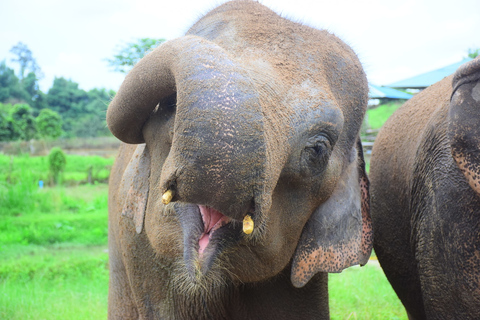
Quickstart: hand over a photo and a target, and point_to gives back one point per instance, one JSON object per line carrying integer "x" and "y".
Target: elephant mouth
{"x": 212, "y": 221}
{"x": 206, "y": 234}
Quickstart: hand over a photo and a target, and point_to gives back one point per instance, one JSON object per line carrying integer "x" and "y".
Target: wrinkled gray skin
{"x": 425, "y": 173}
{"x": 249, "y": 113}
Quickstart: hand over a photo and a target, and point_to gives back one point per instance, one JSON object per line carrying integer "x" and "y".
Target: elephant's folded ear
{"x": 463, "y": 122}
{"x": 136, "y": 179}
{"x": 339, "y": 232}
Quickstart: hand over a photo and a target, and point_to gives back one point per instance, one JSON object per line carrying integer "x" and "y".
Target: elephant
{"x": 425, "y": 198}
{"x": 240, "y": 181}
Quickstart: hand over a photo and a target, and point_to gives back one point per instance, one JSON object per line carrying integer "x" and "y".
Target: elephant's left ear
{"x": 339, "y": 232}
{"x": 136, "y": 180}
{"x": 463, "y": 122}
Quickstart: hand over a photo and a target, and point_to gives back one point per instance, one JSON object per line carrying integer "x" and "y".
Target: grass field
{"x": 54, "y": 260}
{"x": 376, "y": 117}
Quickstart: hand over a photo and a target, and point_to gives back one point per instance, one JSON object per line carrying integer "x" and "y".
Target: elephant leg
{"x": 397, "y": 259}
{"x": 121, "y": 303}
{"x": 391, "y": 219}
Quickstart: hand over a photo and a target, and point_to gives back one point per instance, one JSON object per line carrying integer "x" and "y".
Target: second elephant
{"x": 425, "y": 173}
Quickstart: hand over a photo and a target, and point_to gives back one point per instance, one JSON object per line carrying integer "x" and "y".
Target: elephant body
{"x": 425, "y": 198}
{"x": 248, "y": 116}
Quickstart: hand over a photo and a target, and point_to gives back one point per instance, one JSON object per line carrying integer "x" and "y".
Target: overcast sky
{"x": 394, "y": 39}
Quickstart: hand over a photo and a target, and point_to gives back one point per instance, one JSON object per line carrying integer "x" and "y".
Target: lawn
{"x": 363, "y": 293}
{"x": 376, "y": 117}
{"x": 54, "y": 260}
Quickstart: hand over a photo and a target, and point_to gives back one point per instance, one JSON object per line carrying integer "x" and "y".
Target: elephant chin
{"x": 207, "y": 233}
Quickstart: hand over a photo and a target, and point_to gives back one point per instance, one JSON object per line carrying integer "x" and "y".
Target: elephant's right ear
{"x": 464, "y": 121}
{"x": 339, "y": 233}
{"x": 136, "y": 180}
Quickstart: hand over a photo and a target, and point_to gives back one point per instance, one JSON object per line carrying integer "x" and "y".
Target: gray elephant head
{"x": 247, "y": 116}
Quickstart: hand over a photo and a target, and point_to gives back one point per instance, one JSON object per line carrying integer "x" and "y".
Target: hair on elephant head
{"x": 248, "y": 181}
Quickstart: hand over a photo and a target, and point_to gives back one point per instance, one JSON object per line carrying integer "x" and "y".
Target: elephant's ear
{"x": 339, "y": 232}
{"x": 136, "y": 179}
{"x": 464, "y": 121}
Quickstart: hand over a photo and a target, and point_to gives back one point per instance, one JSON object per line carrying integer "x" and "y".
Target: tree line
{"x": 65, "y": 110}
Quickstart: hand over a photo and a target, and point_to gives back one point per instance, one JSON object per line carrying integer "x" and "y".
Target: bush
{"x": 57, "y": 162}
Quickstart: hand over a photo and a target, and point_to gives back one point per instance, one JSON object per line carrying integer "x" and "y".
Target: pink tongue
{"x": 210, "y": 218}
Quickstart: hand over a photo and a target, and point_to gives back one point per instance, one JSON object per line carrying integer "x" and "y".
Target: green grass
{"x": 53, "y": 258}
{"x": 54, "y": 283}
{"x": 54, "y": 264}
{"x": 363, "y": 293}
{"x": 29, "y": 170}
{"x": 20, "y": 176}
{"x": 59, "y": 215}
{"x": 376, "y": 117}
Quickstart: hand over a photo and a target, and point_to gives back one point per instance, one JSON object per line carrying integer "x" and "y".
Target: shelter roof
{"x": 380, "y": 92}
{"x": 424, "y": 80}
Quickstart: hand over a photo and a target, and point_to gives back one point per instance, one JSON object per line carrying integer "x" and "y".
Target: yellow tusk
{"x": 248, "y": 224}
{"x": 167, "y": 196}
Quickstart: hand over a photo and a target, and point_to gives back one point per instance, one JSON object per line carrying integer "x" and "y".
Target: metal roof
{"x": 379, "y": 92}
{"x": 427, "y": 79}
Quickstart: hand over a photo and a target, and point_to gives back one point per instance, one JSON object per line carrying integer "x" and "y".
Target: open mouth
{"x": 206, "y": 234}
{"x": 212, "y": 221}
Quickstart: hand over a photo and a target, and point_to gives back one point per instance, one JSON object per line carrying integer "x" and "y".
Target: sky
{"x": 393, "y": 39}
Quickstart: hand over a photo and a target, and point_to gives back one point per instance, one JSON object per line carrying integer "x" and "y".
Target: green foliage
{"x": 93, "y": 123}
{"x": 473, "y": 53}
{"x": 130, "y": 53}
{"x": 49, "y": 124}
{"x": 82, "y": 112}
{"x": 66, "y": 98}
{"x": 23, "y": 121}
{"x": 11, "y": 90}
{"x": 6, "y": 124}
{"x": 56, "y": 163}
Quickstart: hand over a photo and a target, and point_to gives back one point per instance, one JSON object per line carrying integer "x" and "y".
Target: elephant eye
{"x": 315, "y": 155}
{"x": 318, "y": 149}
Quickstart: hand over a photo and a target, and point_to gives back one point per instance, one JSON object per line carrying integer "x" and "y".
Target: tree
{"x": 49, "y": 124}
{"x": 93, "y": 121}
{"x": 25, "y": 60}
{"x": 473, "y": 53}
{"x": 10, "y": 88}
{"x": 8, "y": 130}
{"x": 5, "y": 125}
{"x": 68, "y": 100}
{"x": 130, "y": 53}
{"x": 23, "y": 121}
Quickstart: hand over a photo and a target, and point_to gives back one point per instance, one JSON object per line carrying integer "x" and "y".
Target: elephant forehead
{"x": 313, "y": 116}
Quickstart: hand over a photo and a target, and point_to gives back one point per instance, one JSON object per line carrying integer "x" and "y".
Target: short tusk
{"x": 248, "y": 224}
{"x": 167, "y": 196}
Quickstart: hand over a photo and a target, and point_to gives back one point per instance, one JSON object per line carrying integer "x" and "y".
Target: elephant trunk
{"x": 218, "y": 156}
